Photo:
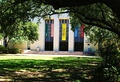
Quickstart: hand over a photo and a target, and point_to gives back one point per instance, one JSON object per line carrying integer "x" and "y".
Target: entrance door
{"x": 64, "y": 23}
{"x": 78, "y": 38}
{"x": 49, "y": 30}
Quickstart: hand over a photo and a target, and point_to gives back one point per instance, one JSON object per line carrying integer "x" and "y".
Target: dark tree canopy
{"x": 109, "y": 19}
{"x": 101, "y": 16}
{"x": 25, "y": 10}
{"x": 113, "y": 4}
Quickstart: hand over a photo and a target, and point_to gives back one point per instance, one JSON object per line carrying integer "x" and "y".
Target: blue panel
{"x": 76, "y": 31}
{"x": 77, "y": 37}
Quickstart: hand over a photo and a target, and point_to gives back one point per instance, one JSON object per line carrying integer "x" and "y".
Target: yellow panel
{"x": 63, "y": 32}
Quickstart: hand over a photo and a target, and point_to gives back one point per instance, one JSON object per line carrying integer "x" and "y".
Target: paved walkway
{"x": 43, "y": 55}
{"x": 55, "y": 54}
{"x": 52, "y": 52}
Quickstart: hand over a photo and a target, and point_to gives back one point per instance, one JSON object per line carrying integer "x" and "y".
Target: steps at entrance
{"x": 52, "y": 52}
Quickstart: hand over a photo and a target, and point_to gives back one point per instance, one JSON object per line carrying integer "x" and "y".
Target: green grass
{"x": 58, "y": 69}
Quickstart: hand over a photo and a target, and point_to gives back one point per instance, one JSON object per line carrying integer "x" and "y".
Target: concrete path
{"x": 55, "y": 54}
{"x": 43, "y": 55}
{"x": 52, "y": 52}
{"x": 28, "y": 54}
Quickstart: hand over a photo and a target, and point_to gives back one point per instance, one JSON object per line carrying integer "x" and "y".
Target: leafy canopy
{"x": 101, "y": 16}
{"x": 25, "y": 31}
{"x": 97, "y": 14}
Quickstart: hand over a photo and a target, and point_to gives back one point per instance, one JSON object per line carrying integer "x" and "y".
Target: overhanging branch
{"x": 101, "y": 21}
{"x": 117, "y": 31}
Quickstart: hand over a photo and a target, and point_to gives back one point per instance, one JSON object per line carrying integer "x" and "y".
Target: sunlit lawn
{"x": 58, "y": 69}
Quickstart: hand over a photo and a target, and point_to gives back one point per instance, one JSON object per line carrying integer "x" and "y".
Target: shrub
{"x": 14, "y": 51}
{"x": 109, "y": 70}
{"x": 2, "y": 49}
{"x": 107, "y": 73}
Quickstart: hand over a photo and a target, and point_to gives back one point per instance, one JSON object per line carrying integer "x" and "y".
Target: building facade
{"x": 55, "y": 34}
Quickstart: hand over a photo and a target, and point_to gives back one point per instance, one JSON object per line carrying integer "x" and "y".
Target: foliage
{"x": 112, "y": 4}
{"x": 14, "y": 51}
{"x": 4, "y": 50}
{"x": 22, "y": 32}
{"x": 15, "y": 20}
{"x": 101, "y": 16}
{"x": 16, "y": 11}
{"x": 25, "y": 31}
{"x": 100, "y": 36}
{"x": 1, "y": 37}
{"x": 25, "y": 10}
{"x": 109, "y": 70}
{"x": 105, "y": 16}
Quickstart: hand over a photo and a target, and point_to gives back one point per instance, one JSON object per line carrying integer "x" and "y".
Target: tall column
{"x": 56, "y": 33}
{"x": 71, "y": 39}
{"x": 42, "y": 35}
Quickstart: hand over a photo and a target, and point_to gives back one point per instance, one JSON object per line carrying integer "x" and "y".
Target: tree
{"x": 27, "y": 9}
{"x": 22, "y": 32}
{"x": 25, "y": 31}
{"x": 101, "y": 36}
{"x": 112, "y": 4}
{"x": 101, "y": 13}
{"x": 102, "y": 17}
{"x": 15, "y": 21}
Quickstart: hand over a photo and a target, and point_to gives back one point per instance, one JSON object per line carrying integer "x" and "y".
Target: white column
{"x": 42, "y": 35}
{"x": 71, "y": 40}
{"x": 56, "y": 34}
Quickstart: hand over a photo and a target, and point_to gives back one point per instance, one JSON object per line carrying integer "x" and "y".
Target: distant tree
{"x": 15, "y": 21}
{"x": 20, "y": 32}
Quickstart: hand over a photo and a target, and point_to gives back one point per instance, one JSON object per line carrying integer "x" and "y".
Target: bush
{"x": 3, "y": 49}
{"x": 107, "y": 73}
{"x": 14, "y": 51}
{"x": 109, "y": 70}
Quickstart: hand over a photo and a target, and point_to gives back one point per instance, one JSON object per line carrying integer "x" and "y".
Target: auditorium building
{"x": 55, "y": 34}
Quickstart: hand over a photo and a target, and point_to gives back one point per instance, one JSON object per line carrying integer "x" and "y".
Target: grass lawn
{"x": 58, "y": 69}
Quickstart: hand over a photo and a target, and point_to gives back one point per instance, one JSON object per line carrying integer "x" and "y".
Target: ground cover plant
{"x": 59, "y": 69}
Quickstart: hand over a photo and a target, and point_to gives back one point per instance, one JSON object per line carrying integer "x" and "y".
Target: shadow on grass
{"x": 61, "y": 69}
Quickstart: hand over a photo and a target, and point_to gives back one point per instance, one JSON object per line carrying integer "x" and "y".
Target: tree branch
{"x": 98, "y": 25}
{"x": 101, "y": 21}
{"x": 65, "y": 3}
{"x": 103, "y": 15}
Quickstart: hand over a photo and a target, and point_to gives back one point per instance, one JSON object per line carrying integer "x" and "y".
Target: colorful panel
{"x": 63, "y": 32}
